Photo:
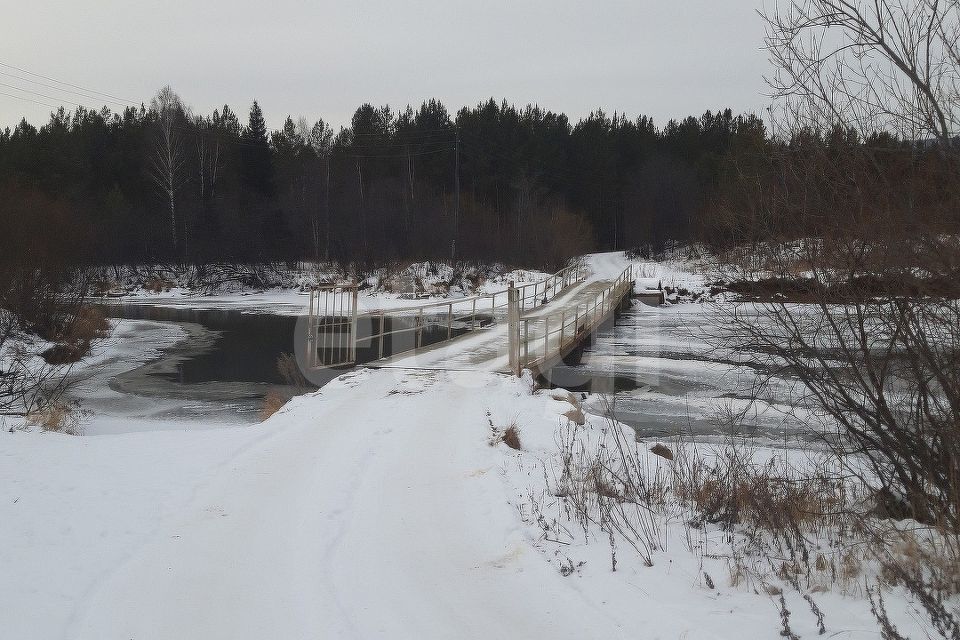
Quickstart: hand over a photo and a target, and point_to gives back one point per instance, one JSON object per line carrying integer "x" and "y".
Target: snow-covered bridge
{"x": 530, "y": 327}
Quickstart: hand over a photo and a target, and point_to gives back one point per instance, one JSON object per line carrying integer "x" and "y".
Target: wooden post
{"x": 383, "y": 333}
{"x": 473, "y": 316}
{"x": 321, "y": 320}
{"x": 419, "y": 328}
{"x": 336, "y": 355}
{"x": 353, "y": 325}
{"x": 449, "y": 320}
{"x": 311, "y": 346}
{"x": 563, "y": 317}
{"x": 513, "y": 329}
{"x": 526, "y": 342}
{"x": 546, "y": 337}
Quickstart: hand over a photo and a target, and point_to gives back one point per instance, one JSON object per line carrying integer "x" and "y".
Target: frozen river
{"x": 184, "y": 368}
{"x": 657, "y": 369}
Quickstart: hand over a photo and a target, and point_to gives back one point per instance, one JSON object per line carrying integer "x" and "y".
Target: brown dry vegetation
{"x": 74, "y": 339}
{"x": 290, "y": 371}
{"x": 157, "y": 284}
{"x": 55, "y": 416}
{"x": 272, "y": 402}
{"x": 511, "y": 437}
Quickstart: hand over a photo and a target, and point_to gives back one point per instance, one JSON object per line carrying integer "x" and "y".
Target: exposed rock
{"x": 662, "y": 450}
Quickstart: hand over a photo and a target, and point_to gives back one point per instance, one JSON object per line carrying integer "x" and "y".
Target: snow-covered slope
{"x": 376, "y": 507}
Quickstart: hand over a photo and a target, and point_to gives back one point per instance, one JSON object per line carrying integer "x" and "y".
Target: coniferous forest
{"x": 492, "y": 182}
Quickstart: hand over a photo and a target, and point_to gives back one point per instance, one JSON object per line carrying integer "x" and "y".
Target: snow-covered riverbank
{"x": 387, "y": 290}
{"x": 376, "y": 507}
{"x": 382, "y": 505}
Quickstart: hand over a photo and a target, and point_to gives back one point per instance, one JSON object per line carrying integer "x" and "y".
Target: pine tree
{"x": 257, "y": 163}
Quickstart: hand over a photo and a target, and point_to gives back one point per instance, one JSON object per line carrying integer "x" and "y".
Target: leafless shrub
{"x": 608, "y": 480}
{"x": 867, "y": 119}
{"x": 56, "y": 416}
{"x": 157, "y": 284}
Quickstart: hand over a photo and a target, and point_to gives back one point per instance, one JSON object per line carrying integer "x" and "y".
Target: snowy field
{"x": 382, "y": 505}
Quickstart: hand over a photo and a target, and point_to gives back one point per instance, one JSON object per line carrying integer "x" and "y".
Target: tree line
{"x": 492, "y": 182}
{"x": 159, "y": 182}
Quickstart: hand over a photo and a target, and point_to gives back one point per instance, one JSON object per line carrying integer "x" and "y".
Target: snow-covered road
{"x": 372, "y": 509}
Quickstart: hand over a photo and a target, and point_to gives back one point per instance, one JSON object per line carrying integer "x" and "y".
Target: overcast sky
{"x": 323, "y": 59}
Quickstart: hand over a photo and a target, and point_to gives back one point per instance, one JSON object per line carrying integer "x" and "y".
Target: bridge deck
{"x": 487, "y": 349}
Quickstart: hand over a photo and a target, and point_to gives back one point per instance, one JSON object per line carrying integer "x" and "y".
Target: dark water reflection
{"x": 241, "y": 350}
{"x": 235, "y": 346}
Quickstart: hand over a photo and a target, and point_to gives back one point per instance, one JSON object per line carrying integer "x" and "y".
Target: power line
{"x": 36, "y": 93}
{"x": 45, "y": 104}
{"x": 50, "y": 86}
{"x": 428, "y": 142}
{"x": 68, "y": 84}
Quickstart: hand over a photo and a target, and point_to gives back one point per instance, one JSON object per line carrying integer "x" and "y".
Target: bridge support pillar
{"x": 513, "y": 328}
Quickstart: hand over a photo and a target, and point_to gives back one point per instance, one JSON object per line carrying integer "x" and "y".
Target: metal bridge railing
{"x": 426, "y": 316}
{"x": 332, "y": 326}
{"x": 333, "y": 318}
{"x": 541, "y": 339}
{"x": 530, "y": 296}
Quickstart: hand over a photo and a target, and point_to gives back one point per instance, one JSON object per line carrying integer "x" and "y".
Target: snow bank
{"x": 381, "y": 506}
{"x": 288, "y": 290}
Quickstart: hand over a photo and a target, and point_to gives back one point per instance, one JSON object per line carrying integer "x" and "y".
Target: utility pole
{"x": 456, "y": 206}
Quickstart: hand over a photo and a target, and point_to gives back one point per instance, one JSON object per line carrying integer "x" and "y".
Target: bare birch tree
{"x": 168, "y": 169}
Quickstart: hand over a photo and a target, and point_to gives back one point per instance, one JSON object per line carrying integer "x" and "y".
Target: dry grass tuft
{"x": 272, "y": 402}
{"x": 55, "y": 416}
{"x": 773, "y": 496}
{"x": 74, "y": 339}
{"x": 89, "y": 324}
{"x": 511, "y": 437}
{"x": 289, "y": 370}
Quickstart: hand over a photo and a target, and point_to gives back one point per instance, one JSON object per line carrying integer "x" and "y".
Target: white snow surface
{"x": 376, "y": 507}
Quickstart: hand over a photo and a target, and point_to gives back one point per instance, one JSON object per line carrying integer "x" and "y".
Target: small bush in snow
{"x": 511, "y": 437}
